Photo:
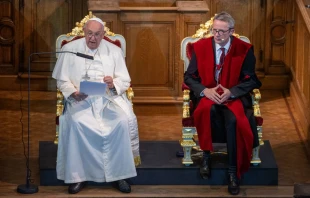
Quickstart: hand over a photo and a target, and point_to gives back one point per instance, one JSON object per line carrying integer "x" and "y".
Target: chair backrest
{"x": 203, "y": 32}
{"x": 78, "y": 33}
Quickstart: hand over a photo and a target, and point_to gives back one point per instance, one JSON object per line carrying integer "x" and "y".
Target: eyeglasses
{"x": 220, "y": 32}
{"x": 96, "y": 35}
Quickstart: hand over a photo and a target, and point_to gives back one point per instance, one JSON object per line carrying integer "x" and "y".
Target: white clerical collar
{"x": 217, "y": 46}
{"x": 91, "y": 51}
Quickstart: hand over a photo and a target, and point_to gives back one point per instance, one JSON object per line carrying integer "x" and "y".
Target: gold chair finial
{"x": 205, "y": 30}
{"x": 78, "y": 30}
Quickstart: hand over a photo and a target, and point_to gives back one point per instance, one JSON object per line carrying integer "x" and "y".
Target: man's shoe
{"x": 76, "y": 187}
{"x": 205, "y": 169}
{"x": 233, "y": 184}
{"x": 123, "y": 186}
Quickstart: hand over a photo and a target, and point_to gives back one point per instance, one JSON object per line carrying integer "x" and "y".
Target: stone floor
{"x": 280, "y": 127}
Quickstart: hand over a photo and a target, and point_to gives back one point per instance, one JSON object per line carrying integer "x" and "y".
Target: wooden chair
{"x": 188, "y": 129}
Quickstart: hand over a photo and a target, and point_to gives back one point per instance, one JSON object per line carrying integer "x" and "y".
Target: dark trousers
{"x": 223, "y": 126}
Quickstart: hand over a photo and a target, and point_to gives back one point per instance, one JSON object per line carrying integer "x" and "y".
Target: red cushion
{"x": 189, "y": 50}
{"x": 116, "y": 42}
{"x": 57, "y": 120}
{"x": 259, "y": 121}
{"x": 64, "y": 42}
{"x": 185, "y": 87}
{"x": 188, "y": 122}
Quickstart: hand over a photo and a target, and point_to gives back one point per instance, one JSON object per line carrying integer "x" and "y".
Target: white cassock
{"x": 98, "y": 137}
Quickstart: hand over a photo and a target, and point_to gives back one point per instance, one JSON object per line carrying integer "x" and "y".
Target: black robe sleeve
{"x": 191, "y": 77}
{"x": 248, "y": 78}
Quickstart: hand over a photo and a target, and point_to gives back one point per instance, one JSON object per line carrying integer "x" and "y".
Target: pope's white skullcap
{"x": 98, "y": 20}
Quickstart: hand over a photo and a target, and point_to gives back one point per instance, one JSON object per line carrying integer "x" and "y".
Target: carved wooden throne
{"x": 188, "y": 129}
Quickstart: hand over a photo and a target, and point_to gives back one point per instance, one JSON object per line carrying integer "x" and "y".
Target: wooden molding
{"x": 304, "y": 13}
{"x": 103, "y": 5}
{"x": 181, "y": 6}
{"x": 302, "y": 110}
{"x": 157, "y": 100}
{"x": 148, "y": 8}
{"x": 192, "y": 6}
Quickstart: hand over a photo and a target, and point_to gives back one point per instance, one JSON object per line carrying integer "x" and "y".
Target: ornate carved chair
{"x": 78, "y": 33}
{"x": 188, "y": 129}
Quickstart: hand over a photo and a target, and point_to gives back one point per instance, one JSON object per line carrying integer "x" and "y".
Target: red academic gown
{"x": 229, "y": 77}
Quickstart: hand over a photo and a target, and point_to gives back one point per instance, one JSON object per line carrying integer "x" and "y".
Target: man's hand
{"x": 225, "y": 95}
{"x": 212, "y": 94}
{"x": 109, "y": 81}
{"x": 78, "y": 96}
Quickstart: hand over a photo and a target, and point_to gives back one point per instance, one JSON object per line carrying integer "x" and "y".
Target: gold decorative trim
{"x": 205, "y": 30}
{"x": 59, "y": 104}
{"x": 78, "y": 30}
{"x": 186, "y": 99}
{"x": 137, "y": 160}
{"x": 130, "y": 94}
{"x": 189, "y": 143}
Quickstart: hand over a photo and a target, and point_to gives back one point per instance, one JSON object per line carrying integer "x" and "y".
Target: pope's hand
{"x": 78, "y": 96}
{"x": 109, "y": 81}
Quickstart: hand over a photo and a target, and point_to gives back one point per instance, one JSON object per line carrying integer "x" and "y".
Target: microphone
{"x": 76, "y": 53}
{"x": 31, "y": 188}
{"x": 84, "y": 56}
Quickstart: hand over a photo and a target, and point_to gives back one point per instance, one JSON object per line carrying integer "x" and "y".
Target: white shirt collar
{"x": 217, "y": 46}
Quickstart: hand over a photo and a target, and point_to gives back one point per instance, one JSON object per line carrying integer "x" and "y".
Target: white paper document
{"x": 93, "y": 88}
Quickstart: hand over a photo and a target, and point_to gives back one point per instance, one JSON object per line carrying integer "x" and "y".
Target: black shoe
{"x": 205, "y": 169}
{"x": 233, "y": 184}
{"x": 76, "y": 187}
{"x": 123, "y": 186}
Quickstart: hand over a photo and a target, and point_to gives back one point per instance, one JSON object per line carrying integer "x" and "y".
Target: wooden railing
{"x": 300, "y": 70}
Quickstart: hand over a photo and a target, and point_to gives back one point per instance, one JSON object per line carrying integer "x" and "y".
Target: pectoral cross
{"x": 86, "y": 77}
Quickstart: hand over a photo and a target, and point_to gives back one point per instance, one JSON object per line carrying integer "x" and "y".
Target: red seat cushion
{"x": 259, "y": 121}
{"x": 57, "y": 120}
{"x": 189, "y": 50}
{"x": 185, "y": 87}
{"x": 188, "y": 122}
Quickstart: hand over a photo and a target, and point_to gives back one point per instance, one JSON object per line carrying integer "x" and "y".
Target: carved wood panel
{"x": 8, "y": 40}
{"x": 39, "y": 22}
{"x": 44, "y": 21}
{"x": 153, "y": 31}
{"x": 150, "y": 55}
{"x": 300, "y": 70}
{"x": 278, "y": 33}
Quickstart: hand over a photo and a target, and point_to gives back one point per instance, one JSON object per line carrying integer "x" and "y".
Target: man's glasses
{"x": 96, "y": 35}
{"x": 220, "y": 32}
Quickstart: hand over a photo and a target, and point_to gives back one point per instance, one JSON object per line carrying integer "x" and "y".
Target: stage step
{"x": 160, "y": 166}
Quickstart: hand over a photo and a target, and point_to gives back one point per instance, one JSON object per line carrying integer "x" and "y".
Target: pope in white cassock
{"x": 98, "y": 135}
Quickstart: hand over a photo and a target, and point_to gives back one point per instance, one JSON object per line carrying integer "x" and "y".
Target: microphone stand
{"x": 31, "y": 188}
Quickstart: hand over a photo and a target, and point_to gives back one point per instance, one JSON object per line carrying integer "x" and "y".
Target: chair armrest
{"x": 130, "y": 94}
{"x": 59, "y": 110}
{"x": 60, "y": 103}
{"x": 186, "y": 102}
{"x": 256, "y": 96}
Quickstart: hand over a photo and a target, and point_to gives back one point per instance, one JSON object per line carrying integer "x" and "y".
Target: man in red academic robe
{"x": 221, "y": 74}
